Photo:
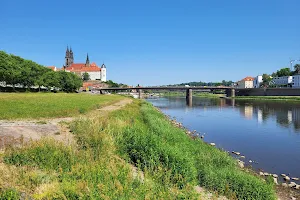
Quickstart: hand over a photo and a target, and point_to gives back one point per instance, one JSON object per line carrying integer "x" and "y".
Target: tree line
{"x": 16, "y": 71}
{"x": 200, "y": 83}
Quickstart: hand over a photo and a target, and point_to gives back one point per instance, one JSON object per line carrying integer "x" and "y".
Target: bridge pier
{"x": 101, "y": 92}
{"x": 230, "y": 92}
{"x": 189, "y": 97}
{"x": 140, "y": 93}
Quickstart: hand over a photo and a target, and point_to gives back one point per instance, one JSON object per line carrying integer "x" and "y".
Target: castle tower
{"x": 103, "y": 73}
{"x": 68, "y": 58}
{"x": 87, "y": 62}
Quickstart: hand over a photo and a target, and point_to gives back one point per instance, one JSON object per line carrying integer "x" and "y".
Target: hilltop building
{"x": 95, "y": 72}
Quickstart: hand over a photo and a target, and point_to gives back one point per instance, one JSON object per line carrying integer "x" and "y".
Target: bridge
{"x": 230, "y": 91}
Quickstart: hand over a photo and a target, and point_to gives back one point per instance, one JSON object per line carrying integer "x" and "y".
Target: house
{"x": 245, "y": 82}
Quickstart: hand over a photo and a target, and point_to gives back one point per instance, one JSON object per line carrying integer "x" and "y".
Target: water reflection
{"x": 287, "y": 115}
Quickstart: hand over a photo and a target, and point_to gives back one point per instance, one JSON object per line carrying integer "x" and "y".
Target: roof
{"x": 80, "y": 67}
{"x": 248, "y": 78}
{"x": 52, "y": 67}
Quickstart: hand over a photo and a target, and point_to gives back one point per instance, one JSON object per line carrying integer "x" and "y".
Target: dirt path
{"x": 19, "y": 132}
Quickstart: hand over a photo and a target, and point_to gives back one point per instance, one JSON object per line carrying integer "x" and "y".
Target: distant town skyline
{"x": 157, "y": 42}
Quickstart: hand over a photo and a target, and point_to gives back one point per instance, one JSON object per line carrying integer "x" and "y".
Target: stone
{"x": 297, "y": 187}
{"x": 295, "y": 179}
{"x": 293, "y": 198}
{"x": 250, "y": 161}
{"x": 275, "y": 181}
{"x": 292, "y": 184}
{"x": 284, "y": 185}
{"x": 261, "y": 174}
{"x": 275, "y": 175}
{"x": 236, "y": 153}
{"x": 241, "y": 164}
{"x": 286, "y": 178}
{"x": 266, "y": 174}
{"x": 212, "y": 144}
{"x": 283, "y": 175}
{"x": 202, "y": 136}
{"x": 243, "y": 157}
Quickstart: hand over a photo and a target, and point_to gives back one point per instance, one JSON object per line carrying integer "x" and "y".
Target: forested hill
{"x": 17, "y": 71}
{"x": 200, "y": 83}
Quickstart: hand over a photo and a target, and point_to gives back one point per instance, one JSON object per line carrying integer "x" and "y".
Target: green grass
{"x": 109, "y": 145}
{"x": 50, "y": 105}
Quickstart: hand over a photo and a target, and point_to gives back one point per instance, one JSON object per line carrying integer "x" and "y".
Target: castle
{"x": 95, "y": 72}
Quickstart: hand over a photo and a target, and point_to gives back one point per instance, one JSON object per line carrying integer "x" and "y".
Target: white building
{"x": 296, "y": 81}
{"x": 257, "y": 81}
{"x": 245, "y": 83}
{"x": 103, "y": 73}
{"x": 283, "y": 81}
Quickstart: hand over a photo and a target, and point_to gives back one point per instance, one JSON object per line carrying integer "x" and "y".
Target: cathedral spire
{"x": 87, "y": 62}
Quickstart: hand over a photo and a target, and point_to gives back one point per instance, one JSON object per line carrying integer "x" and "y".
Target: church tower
{"x": 87, "y": 62}
{"x": 68, "y": 57}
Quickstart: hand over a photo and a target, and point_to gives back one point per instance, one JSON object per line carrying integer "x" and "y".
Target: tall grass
{"x": 49, "y": 105}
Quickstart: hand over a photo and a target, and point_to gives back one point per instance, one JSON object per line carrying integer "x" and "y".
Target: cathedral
{"x": 95, "y": 72}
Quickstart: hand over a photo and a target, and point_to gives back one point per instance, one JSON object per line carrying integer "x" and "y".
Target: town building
{"x": 283, "y": 81}
{"x": 95, "y": 72}
{"x": 296, "y": 81}
{"x": 245, "y": 83}
{"x": 257, "y": 81}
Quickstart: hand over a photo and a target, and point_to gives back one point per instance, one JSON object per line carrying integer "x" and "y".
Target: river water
{"x": 266, "y": 132}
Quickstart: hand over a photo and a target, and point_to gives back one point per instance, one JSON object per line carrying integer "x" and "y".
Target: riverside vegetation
{"x": 109, "y": 147}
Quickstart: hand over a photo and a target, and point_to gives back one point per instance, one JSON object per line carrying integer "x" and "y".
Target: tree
{"x": 297, "y": 69}
{"x": 284, "y": 72}
{"x": 266, "y": 80}
{"x": 85, "y": 76}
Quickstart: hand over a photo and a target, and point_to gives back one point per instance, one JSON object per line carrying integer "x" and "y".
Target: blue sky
{"x": 156, "y": 42}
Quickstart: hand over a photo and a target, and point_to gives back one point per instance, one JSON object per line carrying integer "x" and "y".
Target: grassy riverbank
{"x": 271, "y": 98}
{"x": 132, "y": 153}
{"x": 49, "y": 105}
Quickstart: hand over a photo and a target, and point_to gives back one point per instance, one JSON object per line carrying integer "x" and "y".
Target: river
{"x": 267, "y": 133}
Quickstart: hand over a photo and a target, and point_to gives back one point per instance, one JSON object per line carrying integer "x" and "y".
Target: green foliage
{"x": 200, "y": 83}
{"x": 46, "y": 154}
{"x": 48, "y": 105}
{"x": 85, "y": 76}
{"x": 69, "y": 82}
{"x": 15, "y": 70}
{"x": 266, "y": 80}
{"x": 9, "y": 194}
{"x": 297, "y": 69}
{"x": 284, "y": 72}
{"x": 113, "y": 84}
